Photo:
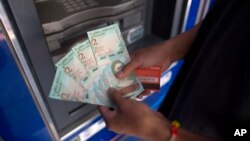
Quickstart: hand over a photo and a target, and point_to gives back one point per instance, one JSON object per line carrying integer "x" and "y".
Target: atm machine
{"x": 35, "y": 34}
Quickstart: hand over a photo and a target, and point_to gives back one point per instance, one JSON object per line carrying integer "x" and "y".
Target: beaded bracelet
{"x": 174, "y": 130}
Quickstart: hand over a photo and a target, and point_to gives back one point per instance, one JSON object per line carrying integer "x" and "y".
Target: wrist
{"x": 173, "y": 50}
{"x": 174, "y": 130}
{"x": 161, "y": 132}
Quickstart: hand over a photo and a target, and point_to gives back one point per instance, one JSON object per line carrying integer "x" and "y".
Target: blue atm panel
{"x": 19, "y": 116}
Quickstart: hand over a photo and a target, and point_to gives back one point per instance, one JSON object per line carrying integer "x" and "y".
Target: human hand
{"x": 156, "y": 55}
{"x": 162, "y": 54}
{"x": 134, "y": 118}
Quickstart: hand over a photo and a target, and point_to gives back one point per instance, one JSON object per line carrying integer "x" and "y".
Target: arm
{"x": 137, "y": 119}
{"x": 178, "y": 46}
{"x": 185, "y": 135}
{"x": 162, "y": 54}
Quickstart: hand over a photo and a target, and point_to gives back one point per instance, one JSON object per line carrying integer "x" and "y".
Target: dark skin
{"x": 125, "y": 116}
{"x": 136, "y": 118}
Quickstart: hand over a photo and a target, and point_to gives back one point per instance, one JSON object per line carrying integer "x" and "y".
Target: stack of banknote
{"x": 86, "y": 72}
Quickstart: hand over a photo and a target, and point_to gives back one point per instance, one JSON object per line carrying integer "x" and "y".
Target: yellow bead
{"x": 176, "y": 124}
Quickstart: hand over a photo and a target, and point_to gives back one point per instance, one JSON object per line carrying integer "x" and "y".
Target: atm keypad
{"x": 76, "y": 5}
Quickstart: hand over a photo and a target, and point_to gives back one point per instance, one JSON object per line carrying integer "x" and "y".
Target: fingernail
{"x": 139, "y": 97}
{"x": 111, "y": 90}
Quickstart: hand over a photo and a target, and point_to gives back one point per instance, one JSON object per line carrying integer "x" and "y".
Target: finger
{"x": 129, "y": 89}
{"x": 144, "y": 93}
{"x": 116, "y": 97}
{"x": 131, "y": 66}
{"x": 106, "y": 113}
{"x": 165, "y": 67}
{"x": 132, "y": 56}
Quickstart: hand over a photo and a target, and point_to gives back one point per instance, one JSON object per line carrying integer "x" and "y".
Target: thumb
{"x": 131, "y": 66}
{"x": 116, "y": 97}
{"x": 165, "y": 67}
{"x": 106, "y": 113}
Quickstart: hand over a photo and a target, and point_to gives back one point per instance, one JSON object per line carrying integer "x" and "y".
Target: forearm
{"x": 162, "y": 131}
{"x": 177, "y": 47}
{"x": 184, "y": 135}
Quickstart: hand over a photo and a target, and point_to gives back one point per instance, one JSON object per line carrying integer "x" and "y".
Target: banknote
{"x": 66, "y": 88}
{"x": 111, "y": 55}
{"x": 98, "y": 92}
{"x": 107, "y": 42}
{"x": 80, "y": 67}
{"x": 85, "y": 54}
{"x": 71, "y": 66}
{"x": 110, "y": 71}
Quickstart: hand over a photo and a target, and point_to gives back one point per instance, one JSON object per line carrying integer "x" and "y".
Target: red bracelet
{"x": 174, "y": 129}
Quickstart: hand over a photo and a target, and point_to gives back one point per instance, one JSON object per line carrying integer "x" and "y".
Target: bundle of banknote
{"x": 89, "y": 69}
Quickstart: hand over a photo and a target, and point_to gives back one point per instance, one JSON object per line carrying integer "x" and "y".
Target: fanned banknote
{"x": 85, "y": 54}
{"x": 66, "y": 88}
{"x": 91, "y": 67}
{"x": 98, "y": 92}
{"x": 100, "y": 83}
{"x": 107, "y": 42}
{"x": 111, "y": 55}
{"x": 71, "y": 65}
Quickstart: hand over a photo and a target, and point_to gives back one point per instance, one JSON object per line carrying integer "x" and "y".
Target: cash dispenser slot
{"x": 74, "y": 111}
